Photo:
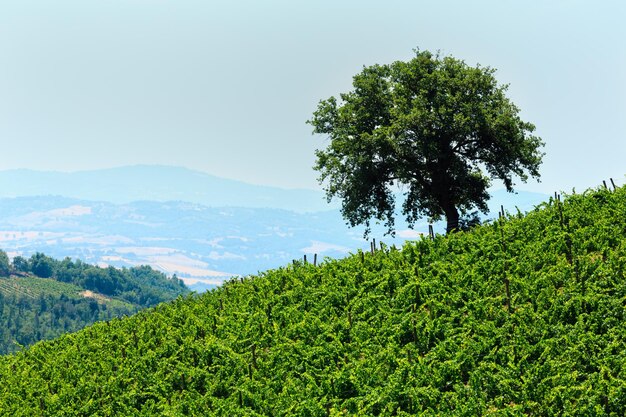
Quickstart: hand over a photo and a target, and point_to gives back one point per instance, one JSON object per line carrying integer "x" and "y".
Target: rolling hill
{"x": 521, "y": 316}
{"x": 157, "y": 183}
{"x": 73, "y": 295}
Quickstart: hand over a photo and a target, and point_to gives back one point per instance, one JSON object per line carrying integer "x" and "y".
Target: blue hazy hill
{"x": 166, "y": 183}
{"x": 157, "y": 183}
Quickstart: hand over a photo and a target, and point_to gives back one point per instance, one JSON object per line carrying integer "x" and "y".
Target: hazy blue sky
{"x": 225, "y": 87}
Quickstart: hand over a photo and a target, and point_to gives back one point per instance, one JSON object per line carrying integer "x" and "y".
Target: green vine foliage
{"x": 522, "y": 316}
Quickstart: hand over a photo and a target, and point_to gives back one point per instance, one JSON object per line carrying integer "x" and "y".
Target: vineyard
{"x": 32, "y": 287}
{"x": 33, "y": 308}
{"x": 520, "y": 316}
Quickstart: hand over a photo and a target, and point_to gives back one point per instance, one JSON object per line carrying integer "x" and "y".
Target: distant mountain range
{"x": 153, "y": 215}
{"x": 157, "y": 183}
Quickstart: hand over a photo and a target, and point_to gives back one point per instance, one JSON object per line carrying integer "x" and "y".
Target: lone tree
{"x": 433, "y": 127}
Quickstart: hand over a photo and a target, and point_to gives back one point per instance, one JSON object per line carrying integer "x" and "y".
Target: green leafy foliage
{"x": 20, "y": 264}
{"x": 523, "y": 316}
{"x": 67, "y": 295}
{"x": 41, "y": 265}
{"x": 4, "y": 264}
{"x": 434, "y": 125}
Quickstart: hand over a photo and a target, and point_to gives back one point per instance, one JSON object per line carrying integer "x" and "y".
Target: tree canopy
{"x": 4, "y": 264}
{"x": 433, "y": 127}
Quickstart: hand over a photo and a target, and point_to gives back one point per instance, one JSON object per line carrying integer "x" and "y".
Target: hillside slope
{"x": 72, "y": 295}
{"x": 523, "y": 316}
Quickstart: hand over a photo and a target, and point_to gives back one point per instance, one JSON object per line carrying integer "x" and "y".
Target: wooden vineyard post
{"x": 431, "y": 232}
{"x": 413, "y": 328}
{"x": 613, "y": 184}
{"x": 315, "y": 259}
{"x": 253, "y": 349}
{"x": 507, "y": 284}
{"x": 568, "y": 237}
{"x": 507, "y": 287}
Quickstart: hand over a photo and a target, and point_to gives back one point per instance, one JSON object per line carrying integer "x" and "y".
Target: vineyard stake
{"x": 413, "y": 328}
{"x": 315, "y": 259}
{"x": 507, "y": 287}
{"x": 561, "y": 217}
{"x": 253, "y": 348}
{"x": 508, "y": 294}
{"x": 614, "y": 187}
{"x": 431, "y": 232}
{"x": 605, "y": 187}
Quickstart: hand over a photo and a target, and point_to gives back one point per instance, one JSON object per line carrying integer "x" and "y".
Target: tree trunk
{"x": 452, "y": 218}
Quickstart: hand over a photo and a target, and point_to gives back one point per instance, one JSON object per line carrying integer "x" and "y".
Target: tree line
{"x": 42, "y": 298}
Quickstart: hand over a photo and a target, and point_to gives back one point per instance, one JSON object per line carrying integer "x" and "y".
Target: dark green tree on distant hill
{"x": 4, "y": 264}
{"x": 20, "y": 264}
{"x": 41, "y": 265}
{"x": 433, "y": 126}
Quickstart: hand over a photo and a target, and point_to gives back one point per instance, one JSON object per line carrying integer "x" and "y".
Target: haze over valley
{"x": 201, "y": 243}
